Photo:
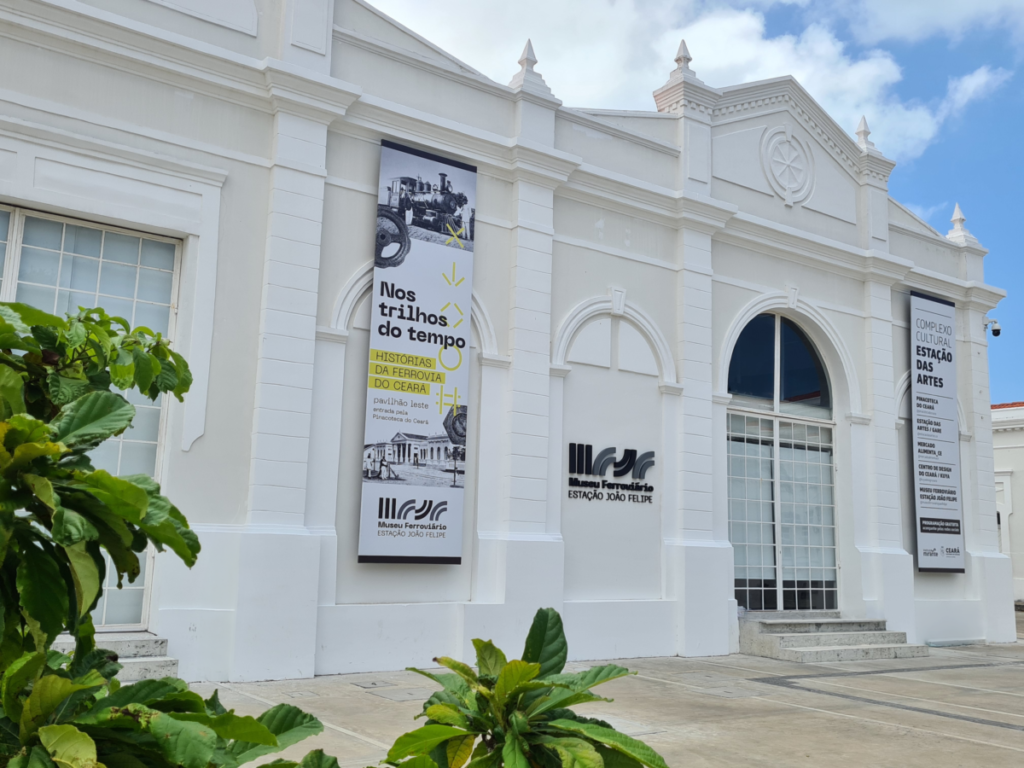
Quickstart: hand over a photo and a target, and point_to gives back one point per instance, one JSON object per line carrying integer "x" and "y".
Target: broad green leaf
{"x": 27, "y": 429}
{"x": 620, "y": 742}
{"x": 142, "y": 692}
{"x": 42, "y": 488}
{"x": 422, "y": 740}
{"x": 16, "y": 678}
{"x": 545, "y": 644}
{"x": 47, "y": 694}
{"x": 514, "y": 674}
{"x": 36, "y": 757}
{"x": 462, "y": 670}
{"x": 446, "y": 714}
{"x": 122, "y": 369}
{"x": 99, "y": 659}
{"x": 231, "y": 726}
{"x": 184, "y": 375}
{"x": 454, "y": 685}
{"x": 41, "y": 589}
{"x": 574, "y": 753}
{"x": 146, "y": 367}
{"x": 121, "y": 496}
{"x": 560, "y": 698}
{"x": 512, "y": 754}
{"x": 459, "y": 750}
{"x": 213, "y": 705}
{"x": 489, "y": 658}
{"x": 26, "y": 453}
{"x": 317, "y": 759}
{"x": 23, "y": 317}
{"x": 12, "y": 389}
{"x": 68, "y": 746}
{"x": 289, "y": 724}
{"x": 70, "y": 528}
{"x": 163, "y": 523}
{"x": 613, "y": 759}
{"x": 85, "y": 574}
{"x": 190, "y": 745}
{"x": 486, "y": 760}
{"x": 65, "y": 389}
{"x": 91, "y": 419}
{"x": 581, "y": 681}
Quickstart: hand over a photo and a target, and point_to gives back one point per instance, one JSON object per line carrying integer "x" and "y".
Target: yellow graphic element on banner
{"x": 400, "y": 358}
{"x": 450, "y": 400}
{"x": 398, "y": 372}
{"x": 457, "y": 309}
{"x": 451, "y": 280}
{"x": 455, "y": 235}
{"x": 398, "y": 385}
{"x": 440, "y": 359}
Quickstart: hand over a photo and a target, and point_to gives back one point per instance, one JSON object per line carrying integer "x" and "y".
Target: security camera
{"x": 996, "y": 328}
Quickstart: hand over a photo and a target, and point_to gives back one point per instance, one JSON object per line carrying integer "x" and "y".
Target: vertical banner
{"x": 940, "y": 538}
{"x": 414, "y": 449}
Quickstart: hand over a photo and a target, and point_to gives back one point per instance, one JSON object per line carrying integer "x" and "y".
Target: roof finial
{"x": 862, "y": 134}
{"x": 529, "y": 58}
{"x": 527, "y": 78}
{"x": 683, "y": 57}
{"x": 959, "y": 234}
{"x": 958, "y": 217}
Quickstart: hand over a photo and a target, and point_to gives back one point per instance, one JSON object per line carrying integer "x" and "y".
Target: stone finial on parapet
{"x": 684, "y": 86}
{"x": 527, "y": 78}
{"x": 959, "y": 234}
{"x": 862, "y": 134}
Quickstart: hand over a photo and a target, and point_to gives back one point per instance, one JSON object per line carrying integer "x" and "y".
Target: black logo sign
{"x": 388, "y": 509}
{"x": 582, "y": 461}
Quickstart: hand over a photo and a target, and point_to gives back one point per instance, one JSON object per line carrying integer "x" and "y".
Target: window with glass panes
{"x": 780, "y": 470}
{"x": 59, "y": 265}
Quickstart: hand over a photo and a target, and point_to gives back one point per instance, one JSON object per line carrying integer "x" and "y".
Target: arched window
{"x": 781, "y": 496}
{"x": 775, "y": 366}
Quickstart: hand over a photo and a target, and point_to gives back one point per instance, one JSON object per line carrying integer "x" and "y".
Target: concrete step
{"x": 826, "y": 653}
{"x": 772, "y": 615}
{"x": 818, "y": 639}
{"x": 140, "y": 668}
{"x": 127, "y": 645}
{"x": 793, "y": 626}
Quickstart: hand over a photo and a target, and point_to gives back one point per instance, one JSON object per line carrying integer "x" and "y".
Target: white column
{"x": 278, "y": 559}
{"x": 703, "y": 554}
{"x": 887, "y": 566}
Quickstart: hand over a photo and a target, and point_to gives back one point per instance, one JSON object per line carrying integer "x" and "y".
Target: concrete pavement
{"x": 959, "y": 707}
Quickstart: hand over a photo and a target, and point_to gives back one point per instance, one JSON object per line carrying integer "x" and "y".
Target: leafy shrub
{"x": 58, "y": 515}
{"x": 516, "y": 713}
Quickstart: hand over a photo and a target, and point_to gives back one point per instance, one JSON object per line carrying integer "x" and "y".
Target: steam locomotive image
{"x": 407, "y": 202}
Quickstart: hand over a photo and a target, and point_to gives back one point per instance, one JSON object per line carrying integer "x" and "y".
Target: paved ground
{"x": 959, "y": 707}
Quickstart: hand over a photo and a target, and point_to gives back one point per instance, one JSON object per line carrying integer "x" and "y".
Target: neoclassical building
{"x": 718, "y": 286}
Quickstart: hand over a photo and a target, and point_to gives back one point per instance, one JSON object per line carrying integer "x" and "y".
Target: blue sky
{"x": 940, "y": 81}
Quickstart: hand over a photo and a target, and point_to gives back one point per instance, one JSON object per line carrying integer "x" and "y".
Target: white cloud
{"x": 616, "y": 53}
{"x": 925, "y": 213}
{"x": 876, "y": 20}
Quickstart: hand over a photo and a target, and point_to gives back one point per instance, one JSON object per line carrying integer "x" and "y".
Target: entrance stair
{"x": 142, "y": 654}
{"x": 821, "y": 636}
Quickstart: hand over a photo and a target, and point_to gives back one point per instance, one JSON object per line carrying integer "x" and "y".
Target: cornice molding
{"x": 588, "y": 121}
{"x": 72, "y": 28}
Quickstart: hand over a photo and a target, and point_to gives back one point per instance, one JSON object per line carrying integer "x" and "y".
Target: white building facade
{"x": 1008, "y": 445}
{"x": 723, "y": 281}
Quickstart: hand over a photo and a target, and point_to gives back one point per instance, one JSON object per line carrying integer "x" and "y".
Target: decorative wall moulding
{"x": 240, "y": 15}
{"x": 788, "y": 165}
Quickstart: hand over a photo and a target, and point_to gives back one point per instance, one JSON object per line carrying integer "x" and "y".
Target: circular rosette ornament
{"x": 455, "y": 424}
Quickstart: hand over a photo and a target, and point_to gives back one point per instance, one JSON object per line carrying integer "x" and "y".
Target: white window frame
{"x": 8, "y": 291}
{"x": 778, "y": 416}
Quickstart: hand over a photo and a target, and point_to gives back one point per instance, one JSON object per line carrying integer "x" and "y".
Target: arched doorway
{"x": 781, "y": 470}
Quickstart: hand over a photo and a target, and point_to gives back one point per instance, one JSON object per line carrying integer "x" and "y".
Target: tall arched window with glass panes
{"x": 781, "y": 459}
{"x": 58, "y": 265}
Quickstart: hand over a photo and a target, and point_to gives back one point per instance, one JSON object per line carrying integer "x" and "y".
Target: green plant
{"x": 516, "y": 713}
{"x": 58, "y": 515}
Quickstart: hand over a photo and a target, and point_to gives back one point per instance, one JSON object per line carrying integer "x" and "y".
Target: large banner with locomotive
{"x": 414, "y": 449}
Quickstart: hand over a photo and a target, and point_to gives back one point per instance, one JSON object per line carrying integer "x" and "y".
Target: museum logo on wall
{"x": 588, "y": 470}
